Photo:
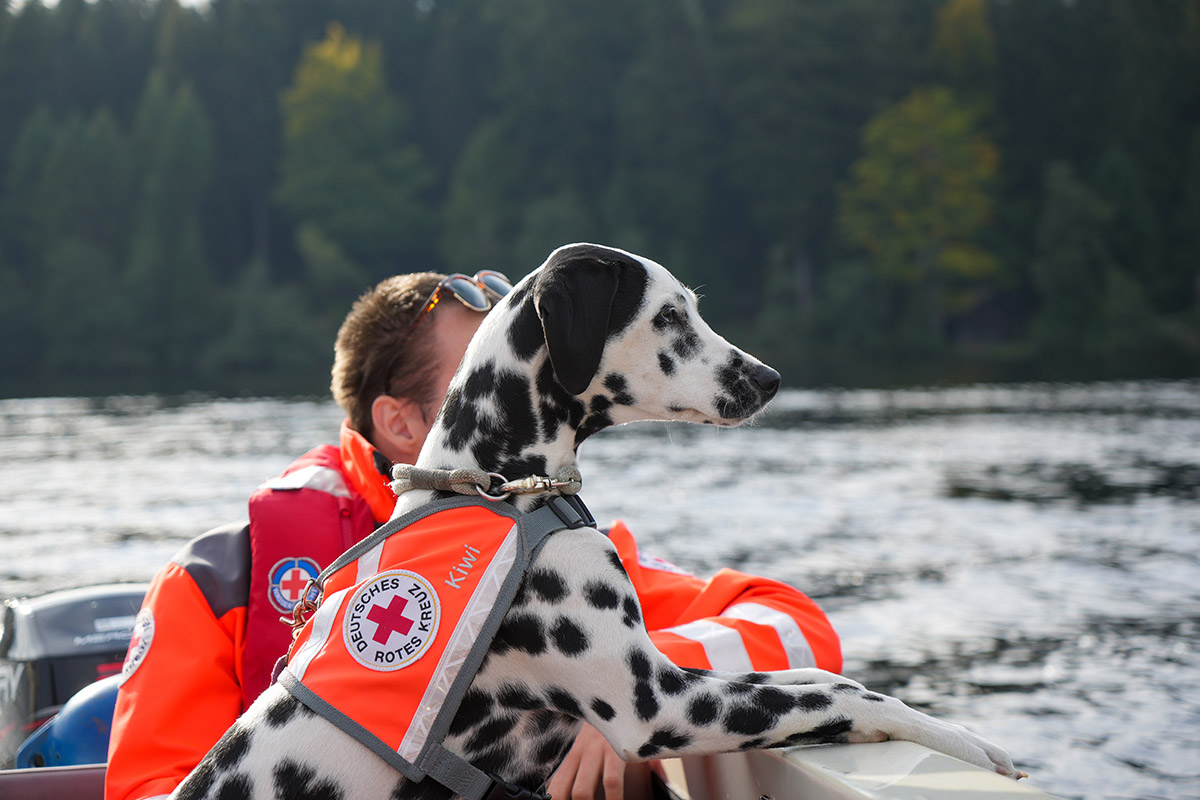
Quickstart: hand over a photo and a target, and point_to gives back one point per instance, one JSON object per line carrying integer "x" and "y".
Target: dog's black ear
{"x": 574, "y": 300}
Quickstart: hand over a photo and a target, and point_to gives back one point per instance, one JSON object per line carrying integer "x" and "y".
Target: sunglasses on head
{"x": 477, "y": 292}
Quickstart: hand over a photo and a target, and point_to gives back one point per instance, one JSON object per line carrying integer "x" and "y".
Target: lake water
{"x": 1024, "y": 560}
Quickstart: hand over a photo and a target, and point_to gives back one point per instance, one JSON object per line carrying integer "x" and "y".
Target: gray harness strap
{"x": 435, "y": 761}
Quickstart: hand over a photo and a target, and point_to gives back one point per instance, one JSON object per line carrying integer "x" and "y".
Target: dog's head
{"x": 626, "y": 337}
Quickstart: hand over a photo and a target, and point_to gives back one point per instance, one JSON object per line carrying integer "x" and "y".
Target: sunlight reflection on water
{"x": 1021, "y": 559}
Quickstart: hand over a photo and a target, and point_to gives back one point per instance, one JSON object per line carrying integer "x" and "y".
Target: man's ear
{"x": 574, "y": 301}
{"x": 398, "y": 428}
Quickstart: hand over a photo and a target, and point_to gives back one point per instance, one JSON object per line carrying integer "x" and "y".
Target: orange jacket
{"x": 187, "y": 689}
{"x": 193, "y": 667}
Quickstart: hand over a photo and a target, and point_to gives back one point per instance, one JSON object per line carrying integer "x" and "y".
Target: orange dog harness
{"x": 409, "y": 613}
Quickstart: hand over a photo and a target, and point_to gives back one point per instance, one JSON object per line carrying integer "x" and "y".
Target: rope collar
{"x": 406, "y": 478}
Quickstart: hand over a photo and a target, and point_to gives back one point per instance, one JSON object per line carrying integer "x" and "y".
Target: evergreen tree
{"x": 167, "y": 281}
{"x": 1070, "y": 268}
{"x": 350, "y": 167}
{"x": 918, "y": 201}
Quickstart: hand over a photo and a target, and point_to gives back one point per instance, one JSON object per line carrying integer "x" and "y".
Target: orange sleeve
{"x": 182, "y": 696}
{"x": 733, "y": 621}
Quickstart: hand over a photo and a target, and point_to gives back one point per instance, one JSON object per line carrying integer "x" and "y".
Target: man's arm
{"x": 183, "y": 690}
{"x": 733, "y": 622}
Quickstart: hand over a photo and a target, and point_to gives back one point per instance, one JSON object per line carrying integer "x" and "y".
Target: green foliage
{"x": 191, "y": 197}
{"x": 919, "y": 199}
{"x": 349, "y": 168}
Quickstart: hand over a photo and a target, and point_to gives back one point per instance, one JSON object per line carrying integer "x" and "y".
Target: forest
{"x": 863, "y": 192}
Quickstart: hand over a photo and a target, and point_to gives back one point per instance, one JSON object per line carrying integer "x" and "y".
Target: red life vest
{"x": 410, "y": 613}
{"x": 300, "y": 522}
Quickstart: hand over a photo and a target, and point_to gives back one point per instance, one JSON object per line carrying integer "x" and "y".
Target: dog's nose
{"x": 767, "y": 380}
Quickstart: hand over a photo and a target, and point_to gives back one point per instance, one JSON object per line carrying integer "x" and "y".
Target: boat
{"x": 60, "y": 659}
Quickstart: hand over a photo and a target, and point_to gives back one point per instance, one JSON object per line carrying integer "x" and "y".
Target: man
{"x": 209, "y": 634}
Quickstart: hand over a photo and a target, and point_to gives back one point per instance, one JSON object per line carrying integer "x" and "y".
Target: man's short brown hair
{"x": 375, "y": 354}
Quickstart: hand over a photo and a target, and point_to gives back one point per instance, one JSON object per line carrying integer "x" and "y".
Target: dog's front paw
{"x": 949, "y": 738}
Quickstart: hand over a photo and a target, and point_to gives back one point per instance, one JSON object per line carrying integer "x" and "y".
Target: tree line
{"x": 861, "y": 191}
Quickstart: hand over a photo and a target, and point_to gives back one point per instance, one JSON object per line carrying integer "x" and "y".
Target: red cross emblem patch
{"x": 391, "y": 620}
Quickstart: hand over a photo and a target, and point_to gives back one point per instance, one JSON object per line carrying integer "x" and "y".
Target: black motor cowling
{"x": 52, "y": 646}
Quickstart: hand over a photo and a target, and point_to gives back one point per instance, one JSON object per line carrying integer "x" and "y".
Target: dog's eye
{"x": 668, "y": 316}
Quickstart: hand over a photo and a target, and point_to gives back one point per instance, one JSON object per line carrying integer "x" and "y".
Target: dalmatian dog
{"x": 595, "y": 337}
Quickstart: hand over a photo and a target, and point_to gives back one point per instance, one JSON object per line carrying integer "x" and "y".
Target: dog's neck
{"x": 506, "y": 417}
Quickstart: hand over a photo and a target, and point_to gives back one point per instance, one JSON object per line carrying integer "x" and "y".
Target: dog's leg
{"x": 649, "y": 708}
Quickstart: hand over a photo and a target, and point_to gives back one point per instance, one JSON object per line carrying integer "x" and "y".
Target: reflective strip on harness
{"x": 468, "y": 630}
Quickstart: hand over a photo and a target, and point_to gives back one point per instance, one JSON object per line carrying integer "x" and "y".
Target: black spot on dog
{"x": 645, "y": 704}
{"x": 547, "y": 584}
{"x": 666, "y": 363}
{"x": 615, "y": 560}
{"x": 282, "y": 710}
{"x": 748, "y": 720}
{"x": 565, "y": 702}
{"x": 491, "y": 732}
{"x": 639, "y": 665}
{"x": 753, "y": 744}
{"x": 703, "y": 710}
{"x": 686, "y": 344}
{"x": 813, "y": 701}
{"x": 739, "y": 688}
{"x": 663, "y": 739}
{"x": 520, "y": 631}
{"x": 775, "y": 701}
{"x": 294, "y": 781}
{"x": 592, "y": 424}
{"x": 874, "y": 698}
{"x": 755, "y": 677}
{"x": 603, "y": 710}
{"x": 476, "y": 706}
{"x": 525, "y": 334}
{"x": 229, "y": 751}
{"x": 741, "y": 396}
{"x": 619, "y": 386}
{"x": 845, "y": 687}
{"x": 633, "y": 612}
{"x": 831, "y": 732}
{"x": 236, "y": 787}
{"x": 459, "y": 425}
{"x": 599, "y": 404}
{"x": 673, "y": 681}
{"x": 569, "y": 638}
{"x": 601, "y": 595}
{"x": 517, "y": 697}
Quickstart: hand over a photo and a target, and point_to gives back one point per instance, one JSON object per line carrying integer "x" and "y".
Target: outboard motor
{"x": 54, "y": 645}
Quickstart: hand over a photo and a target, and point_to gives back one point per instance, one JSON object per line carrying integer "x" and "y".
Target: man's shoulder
{"x": 218, "y": 561}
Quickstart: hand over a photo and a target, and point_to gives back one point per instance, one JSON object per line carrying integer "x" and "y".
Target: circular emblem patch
{"x": 288, "y": 579}
{"x": 139, "y": 644}
{"x": 392, "y": 620}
